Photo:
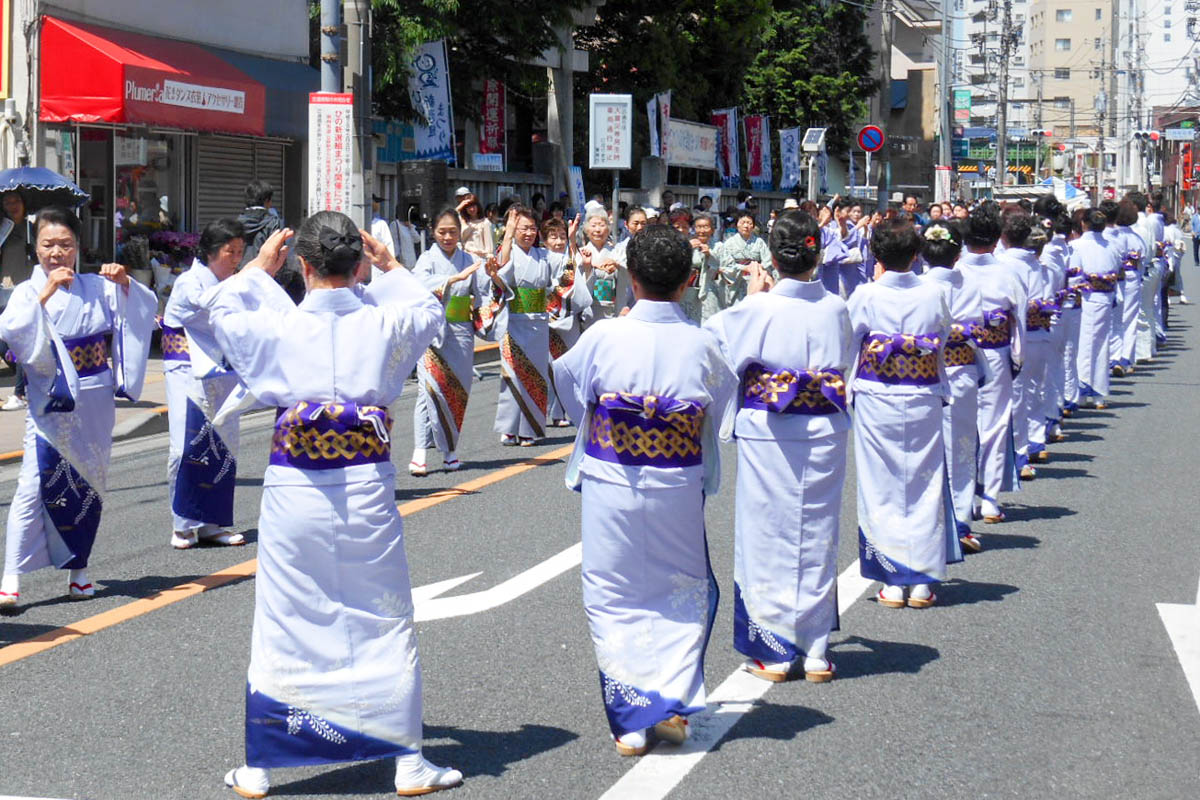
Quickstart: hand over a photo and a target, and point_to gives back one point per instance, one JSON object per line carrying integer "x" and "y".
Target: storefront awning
{"x": 288, "y": 85}
{"x": 95, "y": 74}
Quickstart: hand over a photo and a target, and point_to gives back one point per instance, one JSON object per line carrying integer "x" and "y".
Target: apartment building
{"x": 1070, "y": 57}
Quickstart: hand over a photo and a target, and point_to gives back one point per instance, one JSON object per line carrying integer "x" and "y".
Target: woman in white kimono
{"x": 202, "y": 457}
{"x": 333, "y": 671}
{"x": 941, "y": 245}
{"x": 1001, "y": 345}
{"x": 525, "y": 346}
{"x": 1071, "y": 303}
{"x": 1132, "y": 254}
{"x": 906, "y": 530}
{"x": 706, "y": 263}
{"x": 602, "y": 265}
{"x": 791, "y": 347}
{"x": 569, "y": 307}
{"x": 738, "y": 252}
{"x": 59, "y": 324}
{"x": 649, "y": 392}
{"x": 463, "y": 283}
{"x": 1101, "y": 267}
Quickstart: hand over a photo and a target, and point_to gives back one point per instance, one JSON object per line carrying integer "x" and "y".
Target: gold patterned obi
{"x": 901, "y": 359}
{"x": 458, "y": 308}
{"x": 174, "y": 344}
{"x": 996, "y": 331}
{"x": 331, "y": 435}
{"x": 1102, "y": 283}
{"x": 959, "y": 352}
{"x": 793, "y": 391}
{"x": 89, "y": 354}
{"x": 527, "y": 301}
{"x": 645, "y": 431}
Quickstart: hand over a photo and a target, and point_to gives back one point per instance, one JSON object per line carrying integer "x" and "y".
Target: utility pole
{"x": 1040, "y": 137}
{"x": 1007, "y": 41}
{"x": 1101, "y": 109}
{"x": 885, "y": 103}
{"x": 357, "y": 15}
{"x": 331, "y": 67}
{"x": 1114, "y": 30}
{"x": 944, "y": 157}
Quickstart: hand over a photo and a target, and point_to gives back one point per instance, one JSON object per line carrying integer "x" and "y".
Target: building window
{"x": 1062, "y": 102}
{"x": 1018, "y": 83}
{"x": 1098, "y": 44}
{"x": 1099, "y": 13}
{"x": 1166, "y": 37}
{"x": 1062, "y": 45}
{"x": 1018, "y": 61}
{"x": 1062, "y": 15}
{"x": 1166, "y": 23}
{"x": 1062, "y": 74}
{"x": 1166, "y": 11}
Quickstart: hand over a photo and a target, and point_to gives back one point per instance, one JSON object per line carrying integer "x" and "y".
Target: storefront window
{"x": 148, "y": 193}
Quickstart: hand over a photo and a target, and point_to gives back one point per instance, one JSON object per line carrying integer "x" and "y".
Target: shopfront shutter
{"x": 268, "y": 166}
{"x": 224, "y": 166}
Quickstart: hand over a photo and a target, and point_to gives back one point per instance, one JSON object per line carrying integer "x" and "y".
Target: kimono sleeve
{"x": 26, "y": 328}
{"x": 416, "y": 317}
{"x": 247, "y": 312}
{"x": 1021, "y": 312}
{"x": 132, "y": 311}
{"x": 722, "y": 385}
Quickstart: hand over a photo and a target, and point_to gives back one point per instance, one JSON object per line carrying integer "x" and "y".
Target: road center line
{"x": 656, "y": 774}
{"x": 123, "y": 613}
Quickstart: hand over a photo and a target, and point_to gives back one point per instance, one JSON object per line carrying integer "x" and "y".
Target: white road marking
{"x": 430, "y": 607}
{"x": 657, "y": 773}
{"x": 1183, "y": 626}
{"x": 423, "y": 594}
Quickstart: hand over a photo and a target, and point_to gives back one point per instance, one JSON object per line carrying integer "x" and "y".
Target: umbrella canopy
{"x": 42, "y": 187}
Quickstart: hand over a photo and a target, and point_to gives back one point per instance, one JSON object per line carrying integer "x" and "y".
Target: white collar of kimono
{"x": 976, "y": 259}
{"x": 339, "y": 301}
{"x": 38, "y": 279}
{"x": 804, "y": 290}
{"x": 898, "y": 280}
{"x": 657, "y": 311}
{"x": 1095, "y": 236}
{"x": 944, "y": 274}
{"x": 1022, "y": 255}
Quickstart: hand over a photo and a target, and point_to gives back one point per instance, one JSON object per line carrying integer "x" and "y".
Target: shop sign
{"x": 491, "y": 135}
{"x": 330, "y": 151}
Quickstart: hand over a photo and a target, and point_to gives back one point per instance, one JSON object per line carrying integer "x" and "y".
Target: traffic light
{"x": 1046, "y": 132}
{"x": 1144, "y": 135}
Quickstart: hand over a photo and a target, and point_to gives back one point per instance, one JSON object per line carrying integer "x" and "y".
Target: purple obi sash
{"x": 89, "y": 354}
{"x": 645, "y": 431}
{"x": 996, "y": 331}
{"x": 959, "y": 352}
{"x": 331, "y": 436}
{"x": 787, "y": 391}
{"x": 900, "y": 359}
{"x": 1074, "y": 272}
{"x": 1102, "y": 283}
{"x": 1040, "y": 315}
{"x": 174, "y": 344}
{"x": 1131, "y": 263}
{"x": 1064, "y": 296}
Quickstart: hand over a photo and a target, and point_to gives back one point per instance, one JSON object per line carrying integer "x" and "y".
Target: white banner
{"x": 789, "y": 158}
{"x": 330, "y": 151}
{"x": 664, "y": 122}
{"x": 728, "y": 149}
{"x": 429, "y": 90}
{"x": 610, "y": 131}
{"x": 692, "y": 144}
{"x": 578, "y": 197}
{"x": 652, "y": 116}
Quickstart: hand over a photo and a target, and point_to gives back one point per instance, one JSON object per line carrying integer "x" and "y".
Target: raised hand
{"x": 57, "y": 277}
{"x": 376, "y": 253}
{"x": 115, "y": 273}
{"x": 273, "y": 252}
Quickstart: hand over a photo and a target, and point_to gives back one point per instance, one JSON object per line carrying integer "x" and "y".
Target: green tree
{"x": 813, "y": 67}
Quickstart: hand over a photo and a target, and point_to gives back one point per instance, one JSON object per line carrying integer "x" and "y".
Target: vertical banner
{"x": 850, "y": 188}
{"x": 492, "y": 133}
{"x": 664, "y": 122}
{"x": 652, "y": 116}
{"x": 429, "y": 91}
{"x": 330, "y": 151}
{"x": 823, "y": 170}
{"x": 789, "y": 158}
{"x": 728, "y": 148}
{"x": 941, "y": 184}
{"x": 578, "y": 197}
{"x": 758, "y": 152}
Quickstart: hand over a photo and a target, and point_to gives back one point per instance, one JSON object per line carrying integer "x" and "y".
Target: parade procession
{"x": 852, "y": 466}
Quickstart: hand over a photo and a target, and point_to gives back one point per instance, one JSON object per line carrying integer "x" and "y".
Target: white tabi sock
{"x": 79, "y": 576}
{"x": 920, "y": 591}
{"x": 893, "y": 592}
{"x": 10, "y": 583}
{"x": 633, "y": 738}
{"x": 450, "y": 457}
{"x": 989, "y": 509}
{"x": 413, "y": 771}
{"x": 256, "y": 779}
{"x": 418, "y": 456}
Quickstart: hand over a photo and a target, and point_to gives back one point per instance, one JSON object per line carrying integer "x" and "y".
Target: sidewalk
{"x": 148, "y": 415}
{"x": 143, "y": 418}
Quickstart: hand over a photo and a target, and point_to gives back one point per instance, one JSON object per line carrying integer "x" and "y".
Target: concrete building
{"x": 162, "y": 110}
{"x": 1069, "y": 46}
{"x": 977, "y": 25}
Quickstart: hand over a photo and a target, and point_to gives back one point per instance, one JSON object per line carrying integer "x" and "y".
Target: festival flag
{"x": 789, "y": 158}
{"x": 758, "y": 152}
{"x": 728, "y": 148}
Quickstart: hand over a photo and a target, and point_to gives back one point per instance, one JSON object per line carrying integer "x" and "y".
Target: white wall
{"x": 271, "y": 28}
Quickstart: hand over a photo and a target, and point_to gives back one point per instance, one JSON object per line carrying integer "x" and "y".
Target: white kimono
{"x": 202, "y": 457}
{"x": 906, "y": 530}
{"x": 525, "y": 346}
{"x": 650, "y": 392}
{"x": 570, "y": 309}
{"x": 1131, "y": 254}
{"x": 1064, "y": 334}
{"x": 1149, "y": 331}
{"x": 1100, "y": 269}
{"x": 611, "y": 290}
{"x": 736, "y": 253}
{"x": 445, "y": 370}
{"x": 64, "y": 348}
{"x": 333, "y": 660}
{"x": 1002, "y": 346}
{"x": 960, "y": 431}
{"x": 792, "y": 348}
{"x": 1029, "y": 386}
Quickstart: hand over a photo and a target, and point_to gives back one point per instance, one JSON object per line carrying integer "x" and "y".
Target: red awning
{"x": 94, "y": 74}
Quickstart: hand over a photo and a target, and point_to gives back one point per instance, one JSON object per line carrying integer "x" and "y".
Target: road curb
{"x": 147, "y": 423}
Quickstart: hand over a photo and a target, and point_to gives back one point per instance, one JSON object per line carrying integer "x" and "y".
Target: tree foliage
{"x": 814, "y": 68}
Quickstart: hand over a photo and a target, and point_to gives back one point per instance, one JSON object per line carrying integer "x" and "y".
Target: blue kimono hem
{"x": 207, "y": 473}
{"x": 72, "y": 506}
{"x": 753, "y": 640}
{"x": 878, "y": 567}
{"x": 279, "y": 735}
{"x": 630, "y": 709}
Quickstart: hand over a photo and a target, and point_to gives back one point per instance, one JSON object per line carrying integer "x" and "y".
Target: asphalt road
{"x": 1044, "y": 670}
